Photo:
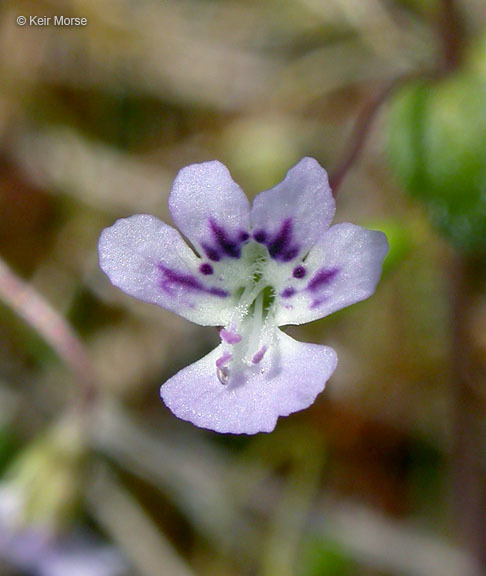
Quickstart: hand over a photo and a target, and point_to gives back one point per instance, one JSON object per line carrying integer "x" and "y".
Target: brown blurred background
{"x": 95, "y": 122}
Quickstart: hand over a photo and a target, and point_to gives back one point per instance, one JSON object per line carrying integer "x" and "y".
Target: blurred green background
{"x": 95, "y": 122}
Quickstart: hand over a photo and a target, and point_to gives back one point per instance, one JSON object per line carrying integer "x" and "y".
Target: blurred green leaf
{"x": 7, "y": 446}
{"x": 437, "y": 148}
{"x": 325, "y": 558}
{"x": 400, "y": 240}
{"x": 476, "y": 55}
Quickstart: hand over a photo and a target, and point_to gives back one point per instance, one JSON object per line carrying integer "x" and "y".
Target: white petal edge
{"x": 294, "y": 374}
{"x": 131, "y": 253}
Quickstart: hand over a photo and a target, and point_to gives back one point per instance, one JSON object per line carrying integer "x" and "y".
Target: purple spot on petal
{"x": 258, "y": 357}
{"x": 244, "y": 236}
{"x": 206, "y": 269}
{"x": 290, "y": 254}
{"x": 279, "y": 247}
{"x": 280, "y": 244}
{"x": 173, "y": 279}
{"x": 230, "y": 337}
{"x": 322, "y": 278}
{"x": 316, "y": 303}
{"x": 299, "y": 272}
{"x": 217, "y": 292}
{"x": 288, "y": 292}
{"x": 260, "y": 236}
{"x": 227, "y": 245}
{"x": 211, "y": 252}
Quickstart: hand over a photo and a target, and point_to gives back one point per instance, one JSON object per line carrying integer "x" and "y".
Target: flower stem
{"x": 450, "y": 33}
{"x": 41, "y": 316}
{"x": 469, "y": 494}
{"x": 360, "y": 133}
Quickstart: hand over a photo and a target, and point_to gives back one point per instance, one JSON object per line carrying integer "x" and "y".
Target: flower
{"x": 37, "y": 497}
{"x": 34, "y": 547}
{"x": 250, "y": 270}
{"x": 36, "y": 550}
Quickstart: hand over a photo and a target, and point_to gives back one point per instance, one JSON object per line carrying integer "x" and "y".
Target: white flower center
{"x": 251, "y": 330}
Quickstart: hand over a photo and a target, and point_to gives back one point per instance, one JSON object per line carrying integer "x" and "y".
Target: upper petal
{"x": 290, "y": 217}
{"x": 210, "y": 209}
{"x": 343, "y": 268}
{"x": 148, "y": 259}
{"x": 288, "y": 379}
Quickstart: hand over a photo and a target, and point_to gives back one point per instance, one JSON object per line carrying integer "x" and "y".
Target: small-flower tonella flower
{"x": 249, "y": 270}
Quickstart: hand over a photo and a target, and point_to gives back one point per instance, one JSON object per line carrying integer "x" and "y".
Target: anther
{"x": 229, "y": 336}
{"x": 222, "y": 371}
{"x": 223, "y": 375}
{"x": 258, "y": 356}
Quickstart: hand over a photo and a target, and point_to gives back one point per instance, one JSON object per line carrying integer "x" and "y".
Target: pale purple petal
{"x": 20, "y": 547}
{"x": 343, "y": 268}
{"x": 35, "y": 548}
{"x": 211, "y": 210}
{"x": 287, "y": 379}
{"x": 149, "y": 260}
{"x": 289, "y": 218}
{"x": 78, "y": 558}
{"x": 24, "y": 548}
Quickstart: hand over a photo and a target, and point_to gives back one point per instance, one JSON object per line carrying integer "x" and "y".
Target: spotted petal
{"x": 343, "y": 268}
{"x": 288, "y": 379}
{"x": 293, "y": 215}
{"x": 149, "y": 260}
{"x": 211, "y": 210}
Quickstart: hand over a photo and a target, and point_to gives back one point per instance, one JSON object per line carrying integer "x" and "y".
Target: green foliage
{"x": 399, "y": 238}
{"x": 325, "y": 558}
{"x": 47, "y": 473}
{"x": 7, "y": 445}
{"x": 437, "y": 148}
{"x": 476, "y": 55}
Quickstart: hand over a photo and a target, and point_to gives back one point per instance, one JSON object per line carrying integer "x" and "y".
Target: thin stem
{"x": 39, "y": 314}
{"x": 360, "y": 133}
{"x": 468, "y": 489}
{"x": 450, "y": 31}
{"x": 469, "y": 494}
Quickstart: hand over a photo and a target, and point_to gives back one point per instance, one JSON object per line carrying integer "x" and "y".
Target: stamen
{"x": 223, "y": 359}
{"x": 257, "y": 325}
{"x": 245, "y": 327}
{"x": 222, "y": 371}
{"x": 223, "y": 375}
{"x": 230, "y": 336}
{"x": 258, "y": 357}
{"x": 249, "y": 295}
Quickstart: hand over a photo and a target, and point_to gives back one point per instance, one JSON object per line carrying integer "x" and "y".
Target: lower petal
{"x": 288, "y": 379}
